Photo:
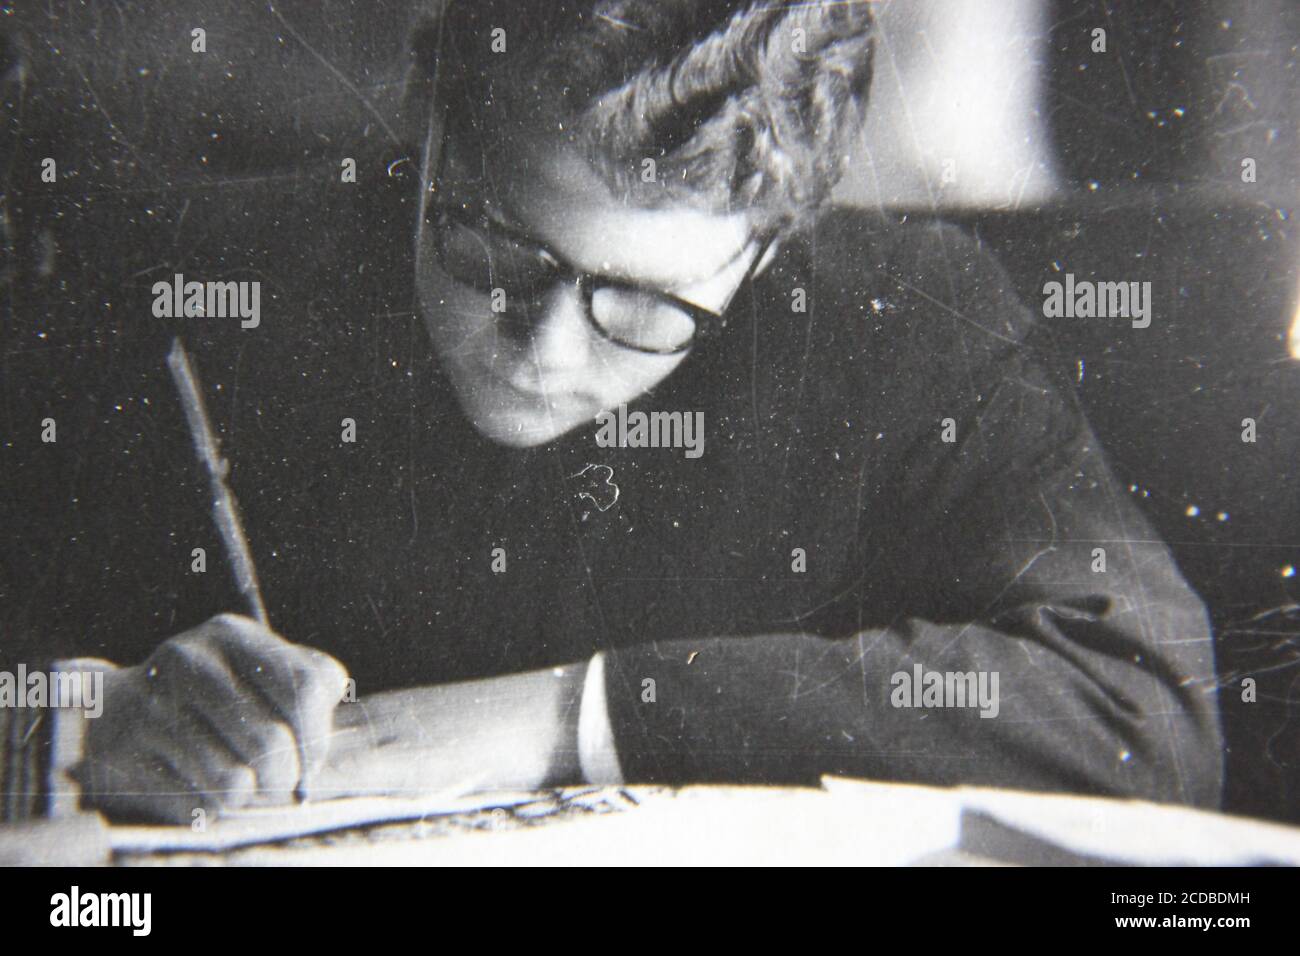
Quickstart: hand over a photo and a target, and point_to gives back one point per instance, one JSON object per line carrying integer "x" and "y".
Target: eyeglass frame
{"x": 706, "y": 322}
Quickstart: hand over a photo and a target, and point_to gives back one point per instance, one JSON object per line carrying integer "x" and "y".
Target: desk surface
{"x": 846, "y": 822}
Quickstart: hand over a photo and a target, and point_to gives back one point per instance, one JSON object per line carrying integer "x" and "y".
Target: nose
{"x": 561, "y": 338}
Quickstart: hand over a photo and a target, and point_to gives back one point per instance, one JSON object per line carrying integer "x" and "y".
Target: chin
{"x": 508, "y": 424}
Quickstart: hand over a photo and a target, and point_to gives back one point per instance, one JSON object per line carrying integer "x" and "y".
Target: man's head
{"x": 651, "y": 149}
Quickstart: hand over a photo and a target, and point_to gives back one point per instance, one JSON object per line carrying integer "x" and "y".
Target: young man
{"x": 886, "y": 546}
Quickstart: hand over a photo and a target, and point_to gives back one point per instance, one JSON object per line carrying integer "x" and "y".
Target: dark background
{"x": 227, "y": 163}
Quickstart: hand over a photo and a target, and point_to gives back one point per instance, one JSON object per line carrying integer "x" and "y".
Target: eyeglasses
{"x": 496, "y": 259}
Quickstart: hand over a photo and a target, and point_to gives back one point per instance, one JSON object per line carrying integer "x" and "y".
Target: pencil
{"x": 225, "y": 510}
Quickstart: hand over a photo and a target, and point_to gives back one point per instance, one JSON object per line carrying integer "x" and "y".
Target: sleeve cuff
{"x": 597, "y": 754}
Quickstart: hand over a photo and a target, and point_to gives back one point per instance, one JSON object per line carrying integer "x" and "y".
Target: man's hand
{"x": 223, "y": 716}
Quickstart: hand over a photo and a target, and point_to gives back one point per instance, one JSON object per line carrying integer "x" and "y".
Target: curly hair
{"x": 741, "y": 104}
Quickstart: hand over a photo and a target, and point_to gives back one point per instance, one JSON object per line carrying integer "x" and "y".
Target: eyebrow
{"x": 499, "y": 215}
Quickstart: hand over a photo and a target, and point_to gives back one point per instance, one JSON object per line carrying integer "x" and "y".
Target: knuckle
{"x": 227, "y": 621}
{"x": 175, "y": 654}
{"x": 236, "y": 627}
{"x": 319, "y": 673}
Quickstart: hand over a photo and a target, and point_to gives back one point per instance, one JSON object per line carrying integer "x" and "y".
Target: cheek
{"x": 627, "y": 376}
{"x": 455, "y": 316}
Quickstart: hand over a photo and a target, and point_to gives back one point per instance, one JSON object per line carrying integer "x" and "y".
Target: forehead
{"x": 554, "y": 196}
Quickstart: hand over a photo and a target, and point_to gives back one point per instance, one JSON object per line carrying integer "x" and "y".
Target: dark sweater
{"x": 823, "y": 432}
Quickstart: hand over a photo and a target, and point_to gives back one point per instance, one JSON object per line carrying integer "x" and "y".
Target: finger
{"x": 115, "y": 774}
{"x": 244, "y": 722}
{"x": 156, "y": 757}
{"x": 188, "y": 749}
{"x": 303, "y": 684}
{"x": 146, "y": 784}
{"x": 135, "y": 786}
{"x": 222, "y": 786}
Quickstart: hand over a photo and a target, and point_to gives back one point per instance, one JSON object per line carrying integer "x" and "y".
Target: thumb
{"x": 313, "y": 720}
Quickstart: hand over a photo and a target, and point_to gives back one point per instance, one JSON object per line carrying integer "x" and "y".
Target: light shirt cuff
{"x": 596, "y": 753}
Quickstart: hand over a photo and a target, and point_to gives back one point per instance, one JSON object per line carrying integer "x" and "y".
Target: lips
{"x": 531, "y": 391}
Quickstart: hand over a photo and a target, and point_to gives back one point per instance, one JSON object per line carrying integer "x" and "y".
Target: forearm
{"x": 513, "y": 732}
{"x": 1081, "y": 705}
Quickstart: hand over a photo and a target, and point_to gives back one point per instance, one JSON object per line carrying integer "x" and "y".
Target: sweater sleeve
{"x": 1016, "y": 560}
